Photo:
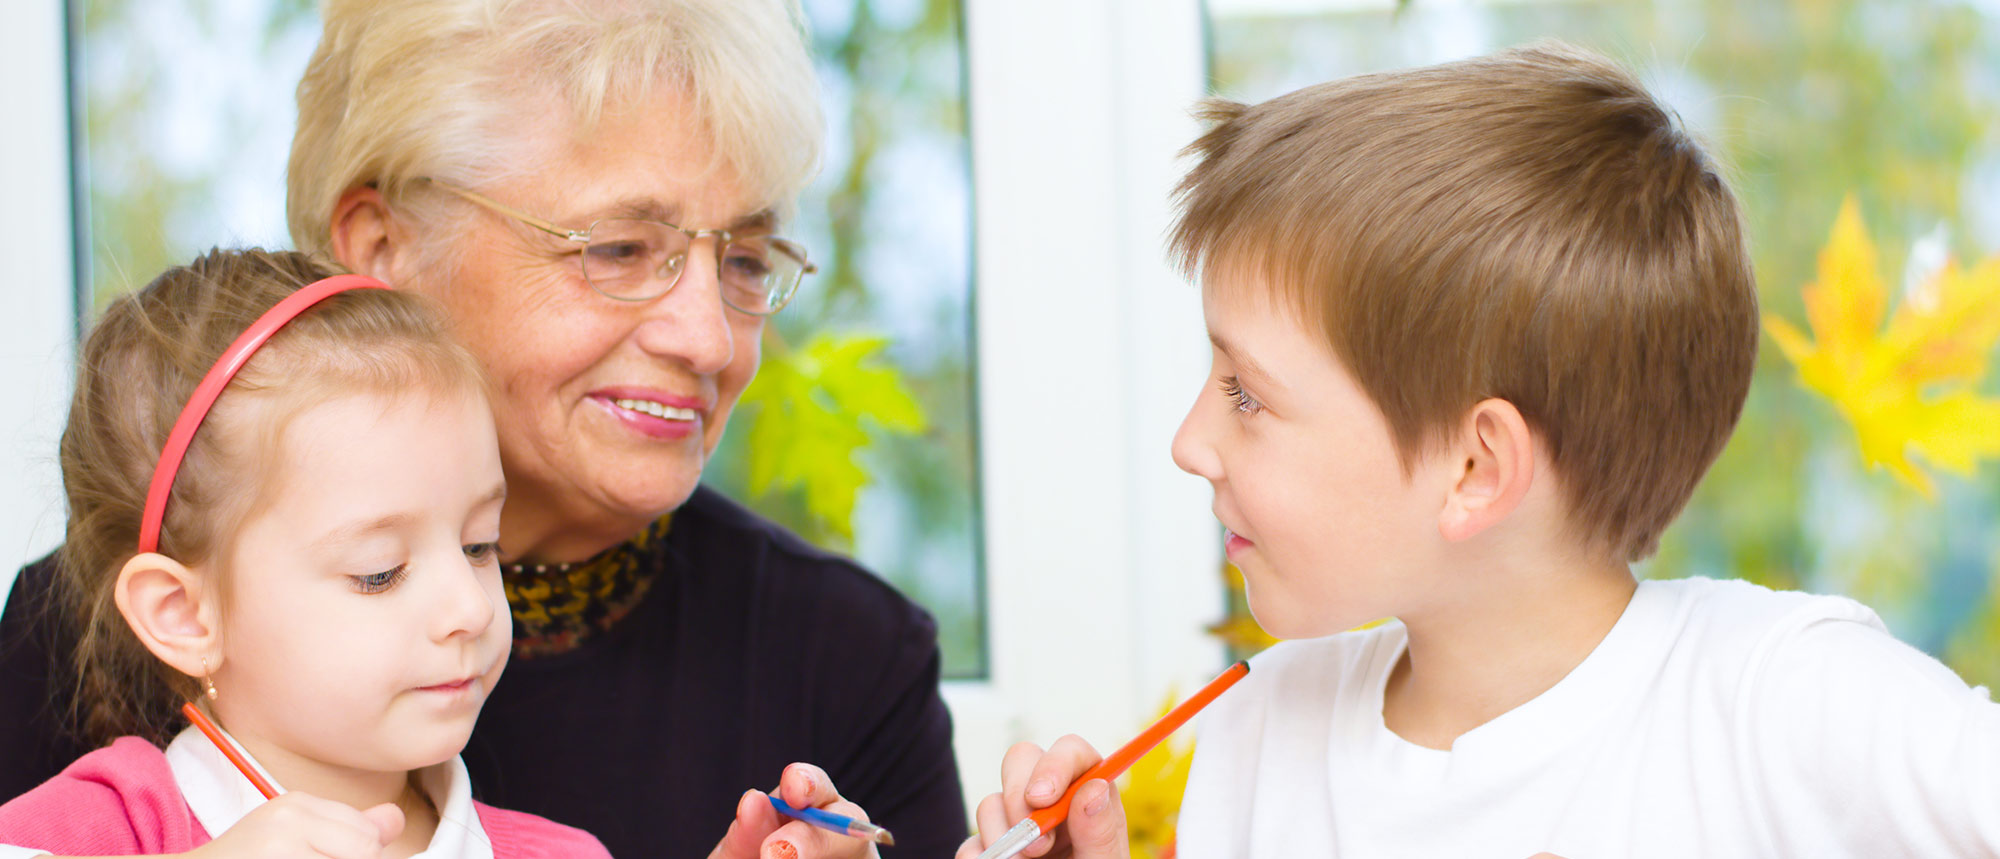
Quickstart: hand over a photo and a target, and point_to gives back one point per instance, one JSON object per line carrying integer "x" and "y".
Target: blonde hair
{"x": 1531, "y": 226}
{"x": 399, "y": 92}
{"x": 139, "y": 365}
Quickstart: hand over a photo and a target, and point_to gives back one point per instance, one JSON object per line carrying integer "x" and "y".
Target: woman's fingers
{"x": 800, "y": 840}
{"x": 755, "y": 821}
{"x": 807, "y": 786}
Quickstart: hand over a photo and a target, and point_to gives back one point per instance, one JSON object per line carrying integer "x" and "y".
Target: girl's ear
{"x": 173, "y": 614}
{"x": 1495, "y": 453}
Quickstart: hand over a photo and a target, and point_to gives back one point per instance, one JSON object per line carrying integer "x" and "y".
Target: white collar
{"x": 219, "y": 795}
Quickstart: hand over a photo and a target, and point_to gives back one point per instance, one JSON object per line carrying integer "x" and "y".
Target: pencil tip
{"x": 885, "y": 839}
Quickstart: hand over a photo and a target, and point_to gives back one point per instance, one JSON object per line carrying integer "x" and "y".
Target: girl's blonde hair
{"x": 400, "y": 92}
{"x": 139, "y": 365}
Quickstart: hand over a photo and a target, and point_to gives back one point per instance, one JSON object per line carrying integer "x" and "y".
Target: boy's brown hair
{"x": 140, "y": 364}
{"x": 1531, "y": 226}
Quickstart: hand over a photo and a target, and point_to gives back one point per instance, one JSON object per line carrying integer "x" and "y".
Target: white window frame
{"x": 1102, "y": 562}
{"x": 38, "y": 294}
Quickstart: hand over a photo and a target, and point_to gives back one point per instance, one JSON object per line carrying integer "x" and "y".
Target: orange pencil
{"x": 1024, "y": 833}
{"x": 228, "y": 748}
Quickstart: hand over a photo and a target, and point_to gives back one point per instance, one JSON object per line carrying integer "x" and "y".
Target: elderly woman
{"x": 593, "y": 192}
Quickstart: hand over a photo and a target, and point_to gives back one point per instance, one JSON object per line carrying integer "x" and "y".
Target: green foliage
{"x": 814, "y": 410}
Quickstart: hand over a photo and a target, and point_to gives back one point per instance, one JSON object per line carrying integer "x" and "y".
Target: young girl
{"x": 317, "y": 573}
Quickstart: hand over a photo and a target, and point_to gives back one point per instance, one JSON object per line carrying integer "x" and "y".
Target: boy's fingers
{"x": 1052, "y": 774}
{"x": 991, "y": 818}
{"x": 1097, "y": 823}
{"x": 1015, "y": 769}
{"x": 971, "y": 848}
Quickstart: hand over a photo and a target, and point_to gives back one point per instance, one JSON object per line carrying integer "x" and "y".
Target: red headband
{"x": 218, "y": 378}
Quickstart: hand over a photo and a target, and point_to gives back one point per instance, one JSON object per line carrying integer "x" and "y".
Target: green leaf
{"x": 815, "y": 410}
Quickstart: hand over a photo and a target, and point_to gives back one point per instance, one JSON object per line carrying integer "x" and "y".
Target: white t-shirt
{"x": 1716, "y": 719}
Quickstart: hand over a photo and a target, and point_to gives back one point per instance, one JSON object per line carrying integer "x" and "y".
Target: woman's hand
{"x": 302, "y": 826}
{"x": 1031, "y": 779}
{"x": 760, "y": 832}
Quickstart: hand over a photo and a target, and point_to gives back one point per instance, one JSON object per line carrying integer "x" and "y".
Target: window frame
{"x": 1102, "y": 560}
{"x": 38, "y": 313}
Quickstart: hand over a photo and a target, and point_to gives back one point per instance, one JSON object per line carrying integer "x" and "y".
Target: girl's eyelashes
{"x": 381, "y": 581}
{"x": 1239, "y": 399}
{"x": 480, "y": 554}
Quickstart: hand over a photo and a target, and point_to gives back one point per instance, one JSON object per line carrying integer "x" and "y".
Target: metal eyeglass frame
{"x": 582, "y": 237}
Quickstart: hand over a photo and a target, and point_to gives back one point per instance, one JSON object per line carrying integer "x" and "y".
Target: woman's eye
{"x": 618, "y": 253}
{"x": 482, "y": 554}
{"x": 381, "y": 581}
{"x": 747, "y": 267}
{"x": 1239, "y": 399}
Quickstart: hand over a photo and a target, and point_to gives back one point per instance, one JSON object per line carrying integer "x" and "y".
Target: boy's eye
{"x": 1239, "y": 398}
{"x": 482, "y": 554}
{"x": 381, "y": 581}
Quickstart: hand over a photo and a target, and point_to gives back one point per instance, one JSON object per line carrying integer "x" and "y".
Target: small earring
{"x": 207, "y": 680}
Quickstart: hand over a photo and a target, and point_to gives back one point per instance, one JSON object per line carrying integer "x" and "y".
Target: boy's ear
{"x": 1495, "y": 464}
{"x": 367, "y": 238}
{"x": 171, "y": 612}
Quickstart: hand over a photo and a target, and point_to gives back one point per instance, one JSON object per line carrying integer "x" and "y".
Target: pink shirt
{"x": 132, "y": 799}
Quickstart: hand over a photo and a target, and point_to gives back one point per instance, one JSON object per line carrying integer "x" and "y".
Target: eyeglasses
{"x": 632, "y": 259}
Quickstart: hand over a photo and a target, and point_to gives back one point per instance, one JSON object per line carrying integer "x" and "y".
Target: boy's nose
{"x": 1191, "y": 450}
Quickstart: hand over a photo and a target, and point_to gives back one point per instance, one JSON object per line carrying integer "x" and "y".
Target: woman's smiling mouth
{"x": 654, "y": 414}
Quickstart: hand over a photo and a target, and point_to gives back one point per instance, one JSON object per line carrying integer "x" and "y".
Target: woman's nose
{"x": 690, "y": 325}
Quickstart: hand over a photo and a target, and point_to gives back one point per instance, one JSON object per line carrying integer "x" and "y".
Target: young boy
{"x": 1478, "y": 330}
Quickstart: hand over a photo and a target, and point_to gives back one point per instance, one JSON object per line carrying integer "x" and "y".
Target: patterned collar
{"x": 557, "y": 607}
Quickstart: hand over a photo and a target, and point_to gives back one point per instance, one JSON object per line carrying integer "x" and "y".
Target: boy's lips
{"x": 1233, "y": 543}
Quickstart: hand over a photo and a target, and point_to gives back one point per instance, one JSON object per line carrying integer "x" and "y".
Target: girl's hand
{"x": 760, "y": 832}
{"x": 1032, "y": 779}
{"x": 302, "y": 826}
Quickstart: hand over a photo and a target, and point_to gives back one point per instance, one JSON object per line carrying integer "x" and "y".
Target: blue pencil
{"x": 831, "y": 822}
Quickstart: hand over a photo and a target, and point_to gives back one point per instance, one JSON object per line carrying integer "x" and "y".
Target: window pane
{"x": 889, "y": 226}
{"x": 1892, "y": 101}
{"x": 188, "y": 116}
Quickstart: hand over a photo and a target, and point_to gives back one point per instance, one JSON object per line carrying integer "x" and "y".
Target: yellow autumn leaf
{"x": 1908, "y": 386}
{"x": 1151, "y": 791}
{"x": 1240, "y": 631}
{"x": 814, "y": 410}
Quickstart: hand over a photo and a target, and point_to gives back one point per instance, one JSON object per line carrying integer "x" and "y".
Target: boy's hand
{"x": 1032, "y": 779}
{"x": 760, "y": 832}
{"x": 302, "y": 826}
